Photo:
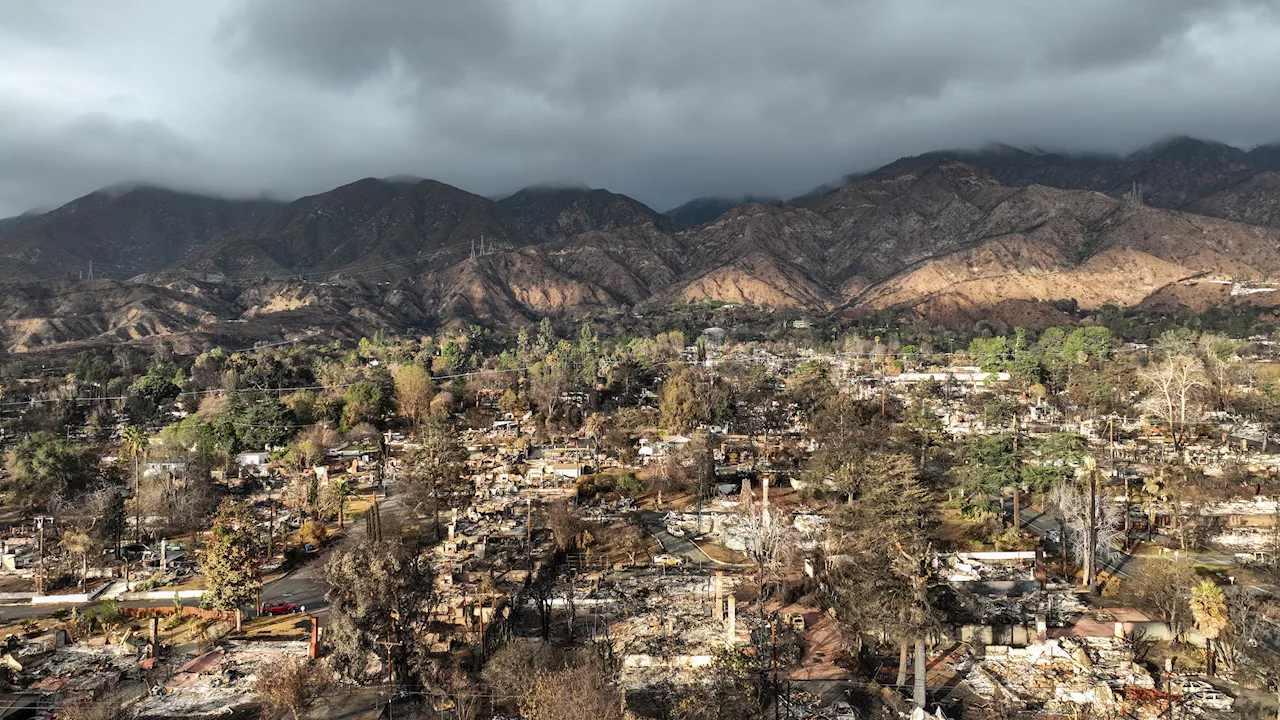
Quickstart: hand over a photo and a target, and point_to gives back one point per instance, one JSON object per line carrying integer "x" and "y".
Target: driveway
{"x": 672, "y": 544}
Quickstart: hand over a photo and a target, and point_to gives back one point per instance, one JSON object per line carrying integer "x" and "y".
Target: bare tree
{"x": 1162, "y": 590}
{"x": 1087, "y": 536}
{"x": 1174, "y": 389}
{"x": 514, "y": 668}
{"x": 567, "y": 525}
{"x": 289, "y": 688}
{"x": 586, "y": 691}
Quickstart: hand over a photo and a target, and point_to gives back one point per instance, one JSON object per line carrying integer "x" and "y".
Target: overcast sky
{"x": 659, "y": 99}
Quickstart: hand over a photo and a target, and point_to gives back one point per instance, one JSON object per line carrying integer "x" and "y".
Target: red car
{"x": 280, "y": 608}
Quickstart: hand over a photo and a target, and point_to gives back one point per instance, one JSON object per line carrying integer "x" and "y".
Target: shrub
{"x": 313, "y": 533}
{"x": 629, "y": 484}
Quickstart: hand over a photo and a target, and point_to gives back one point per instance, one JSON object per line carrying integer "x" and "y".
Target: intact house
{"x": 253, "y": 463}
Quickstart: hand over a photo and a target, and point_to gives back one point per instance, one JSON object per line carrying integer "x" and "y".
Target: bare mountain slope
{"x": 123, "y": 230}
{"x": 374, "y": 228}
{"x": 551, "y": 213}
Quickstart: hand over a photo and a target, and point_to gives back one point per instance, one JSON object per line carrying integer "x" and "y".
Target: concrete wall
{"x": 60, "y": 599}
{"x": 646, "y": 661}
{"x": 1010, "y": 555}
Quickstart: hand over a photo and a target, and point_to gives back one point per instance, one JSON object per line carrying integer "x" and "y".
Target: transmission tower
{"x": 1134, "y": 196}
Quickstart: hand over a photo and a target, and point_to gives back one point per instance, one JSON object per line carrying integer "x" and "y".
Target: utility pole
{"x": 271, "y": 527}
{"x": 773, "y": 639}
{"x": 481, "y": 620}
{"x": 1017, "y": 484}
{"x": 391, "y": 681}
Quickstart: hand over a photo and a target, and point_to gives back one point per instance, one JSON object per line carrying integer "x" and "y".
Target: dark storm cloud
{"x": 660, "y": 99}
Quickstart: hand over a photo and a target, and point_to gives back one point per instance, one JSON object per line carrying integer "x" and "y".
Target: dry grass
{"x": 278, "y": 627}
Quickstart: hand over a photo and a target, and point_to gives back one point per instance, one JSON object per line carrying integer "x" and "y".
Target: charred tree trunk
{"x": 919, "y": 695}
{"x": 902, "y": 664}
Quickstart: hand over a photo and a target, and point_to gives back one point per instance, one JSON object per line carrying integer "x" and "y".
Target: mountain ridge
{"x": 952, "y": 237}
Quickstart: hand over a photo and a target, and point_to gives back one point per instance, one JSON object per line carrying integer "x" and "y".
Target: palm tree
{"x": 135, "y": 445}
{"x": 342, "y": 490}
{"x": 79, "y": 543}
{"x": 1089, "y": 472}
{"x": 1209, "y": 608}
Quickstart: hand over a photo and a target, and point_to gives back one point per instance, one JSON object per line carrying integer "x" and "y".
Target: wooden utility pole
{"x": 883, "y": 389}
{"x": 773, "y": 639}
{"x": 528, "y": 541}
{"x": 391, "y": 674}
{"x": 391, "y": 678}
{"x": 481, "y": 620}
{"x": 1017, "y": 482}
{"x": 271, "y": 528}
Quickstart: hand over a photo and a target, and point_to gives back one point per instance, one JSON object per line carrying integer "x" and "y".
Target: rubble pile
{"x": 1062, "y": 676}
{"x": 669, "y": 630}
{"x": 216, "y": 682}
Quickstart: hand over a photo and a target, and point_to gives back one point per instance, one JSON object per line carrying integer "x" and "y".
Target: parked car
{"x": 668, "y": 560}
{"x": 280, "y": 608}
{"x": 136, "y": 551}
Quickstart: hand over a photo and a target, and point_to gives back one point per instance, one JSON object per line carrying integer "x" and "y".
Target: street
{"x": 304, "y": 585}
{"x": 1046, "y": 527}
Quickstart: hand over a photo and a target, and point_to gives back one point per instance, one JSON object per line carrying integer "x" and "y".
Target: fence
{"x": 151, "y": 612}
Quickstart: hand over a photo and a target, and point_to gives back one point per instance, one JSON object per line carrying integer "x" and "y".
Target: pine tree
{"x": 231, "y": 562}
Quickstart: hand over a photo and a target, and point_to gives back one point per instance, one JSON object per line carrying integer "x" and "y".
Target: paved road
{"x": 1041, "y": 525}
{"x": 304, "y": 586}
{"x": 672, "y": 544}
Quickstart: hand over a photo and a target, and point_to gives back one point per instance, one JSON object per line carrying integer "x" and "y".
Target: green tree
{"x": 363, "y": 403}
{"x": 724, "y": 690}
{"x": 157, "y": 386}
{"x": 414, "y": 390}
{"x": 253, "y": 423}
{"x": 341, "y": 490}
{"x": 44, "y": 466}
{"x": 810, "y": 384}
{"x": 453, "y": 357}
{"x": 588, "y": 355}
{"x": 550, "y": 378}
{"x": 1209, "y": 609}
{"x": 880, "y": 582}
{"x": 691, "y": 397}
{"x": 232, "y": 559}
{"x": 547, "y": 338}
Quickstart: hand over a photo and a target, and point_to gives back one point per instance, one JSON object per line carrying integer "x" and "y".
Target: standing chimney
{"x": 731, "y": 623}
{"x": 717, "y": 610}
{"x": 313, "y": 650}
